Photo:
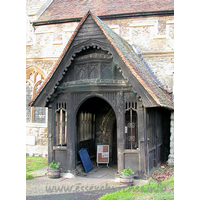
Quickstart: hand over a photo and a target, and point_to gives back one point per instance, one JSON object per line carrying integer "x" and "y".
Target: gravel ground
{"x": 93, "y": 195}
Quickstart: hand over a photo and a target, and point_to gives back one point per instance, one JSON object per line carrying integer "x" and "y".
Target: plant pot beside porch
{"x": 127, "y": 179}
{"x": 126, "y": 176}
{"x": 54, "y": 173}
{"x": 54, "y": 170}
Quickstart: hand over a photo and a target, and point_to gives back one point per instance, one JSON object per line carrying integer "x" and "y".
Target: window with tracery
{"x": 34, "y": 79}
{"x": 61, "y": 124}
{"x": 131, "y": 126}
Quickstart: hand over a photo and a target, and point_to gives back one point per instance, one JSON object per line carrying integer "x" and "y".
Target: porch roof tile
{"x": 65, "y": 9}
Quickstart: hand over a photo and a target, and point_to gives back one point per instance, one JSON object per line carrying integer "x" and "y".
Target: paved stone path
{"x": 92, "y": 186}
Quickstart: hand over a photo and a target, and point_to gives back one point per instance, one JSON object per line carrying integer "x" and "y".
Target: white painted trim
{"x": 43, "y": 58}
{"x": 44, "y": 32}
{"x": 153, "y": 24}
{"x": 169, "y": 23}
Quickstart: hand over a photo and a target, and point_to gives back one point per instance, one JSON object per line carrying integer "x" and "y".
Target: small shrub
{"x": 54, "y": 165}
{"x": 127, "y": 171}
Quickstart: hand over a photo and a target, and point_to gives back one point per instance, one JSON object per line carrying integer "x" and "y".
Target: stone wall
{"x": 171, "y": 155}
{"x": 38, "y": 130}
{"x": 163, "y": 68}
{"x": 36, "y": 140}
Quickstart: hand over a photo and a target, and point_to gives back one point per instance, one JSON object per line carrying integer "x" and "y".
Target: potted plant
{"x": 126, "y": 176}
{"x": 54, "y": 170}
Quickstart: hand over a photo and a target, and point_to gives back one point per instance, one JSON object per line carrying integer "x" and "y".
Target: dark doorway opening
{"x": 96, "y": 125}
{"x": 166, "y": 134}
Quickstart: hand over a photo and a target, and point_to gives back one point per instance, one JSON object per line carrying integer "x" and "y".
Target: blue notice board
{"x": 85, "y": 160}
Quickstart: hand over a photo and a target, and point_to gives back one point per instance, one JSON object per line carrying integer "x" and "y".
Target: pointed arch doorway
{"x": 96, "y": 125}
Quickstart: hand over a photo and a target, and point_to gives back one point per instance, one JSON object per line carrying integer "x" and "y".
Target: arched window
{"x": 34, "y": 79}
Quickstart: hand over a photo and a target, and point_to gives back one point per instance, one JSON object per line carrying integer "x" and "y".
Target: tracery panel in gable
{"x": 81, "y": 72}
{"x": 91, "y": 66}
{"x": 94, "y": 70}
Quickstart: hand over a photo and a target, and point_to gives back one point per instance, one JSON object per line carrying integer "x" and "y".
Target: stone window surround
{"x": 154, "y": 28}
{"x": 39, "y": 71}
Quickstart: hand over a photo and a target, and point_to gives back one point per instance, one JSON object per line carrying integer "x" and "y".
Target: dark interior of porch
{"x": 96, "y": 125}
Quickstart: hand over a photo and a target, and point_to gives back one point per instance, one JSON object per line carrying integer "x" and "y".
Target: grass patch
{"x": 29, "y": 176}
{"x": 34, "y": 163}
{"x": 153, "y": 190}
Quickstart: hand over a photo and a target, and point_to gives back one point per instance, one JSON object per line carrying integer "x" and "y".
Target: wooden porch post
{"x": 142, "y": 139}
{"x": 50, "y": 135}
{"x": 71, "y": 134}
{"x": 120, "y": 131}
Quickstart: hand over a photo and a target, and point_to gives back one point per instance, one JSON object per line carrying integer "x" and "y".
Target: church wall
{"x": 152, "y": 36}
